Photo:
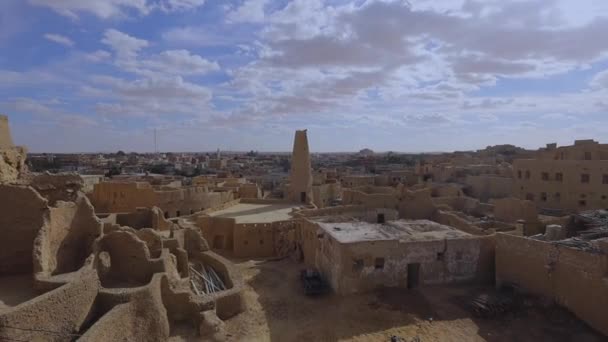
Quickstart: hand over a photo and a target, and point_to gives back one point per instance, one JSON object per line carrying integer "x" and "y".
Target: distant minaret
{"x": 5, "y": 133}
{"x": 218, "y": 155}
{"x": 300, "y": 188}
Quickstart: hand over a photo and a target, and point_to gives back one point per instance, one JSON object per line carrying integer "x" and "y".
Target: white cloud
{"x": 600, "y": 80}
{"x": 180, "y": 62}
{"x": 59, "y": 39}
{"x": 125, "y": 46}
{"x": 106, "y": 9}
{"x": 97, "y": 56}
{"x": 101, "y": 8}
{"x": 250, "y": 11}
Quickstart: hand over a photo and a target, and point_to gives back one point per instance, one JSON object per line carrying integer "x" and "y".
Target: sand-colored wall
{"x": 66, "y": 239}
{"x": 63, "y": 310}
{"x": 112, "y": 197}
{"x": 570, "y": 192}
{"x": 6, "y": 141}
{"x": 514, "y": 209}
{"x": 23, "y": 212}
{"x": 324, "y": 194}
{"x": 12, "y": 163}
{"x": 441, "y": 261}
{"x": 486, "y": 187}
{"x": 575, "y": 279}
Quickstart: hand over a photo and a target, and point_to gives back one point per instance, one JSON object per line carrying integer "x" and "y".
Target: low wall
{"x": 573, "y": 278}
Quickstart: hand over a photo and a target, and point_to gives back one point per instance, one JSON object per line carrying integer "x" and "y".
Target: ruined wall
{"x": 144, "y": 218}
{"x": 416, "y": 204}
{"x": 324, "y": 194}
{"x": 63, "y": 310}
{"x": 23, "y": 212}
{"x": 12, "y": 163}
{"x": 260, "y": 240}
{"x": 112, "y": 197}
{"x": 573, "y": 278}
{"x": 218, "y": 231}
{"x": 513, "y": 209}
{"x": 374, "y": 200}
{"x": 486, "y": 187}
{"x": 453, "y": 220}
{"x": 66, "y": 238}
{"x": 57, "y": 187}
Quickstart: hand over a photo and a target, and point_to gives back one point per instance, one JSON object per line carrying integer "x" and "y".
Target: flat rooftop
{"x": 257, "y": 213}
{"x": 402, "y": 230}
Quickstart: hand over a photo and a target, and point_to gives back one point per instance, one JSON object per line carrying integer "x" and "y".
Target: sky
{"x": 409, "y": 76}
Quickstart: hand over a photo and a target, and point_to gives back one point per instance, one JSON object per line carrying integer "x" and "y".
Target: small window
{"x": 245, "y": 242}
{"x": 605, "y": 179}
{"x": 604, "y": 197}
{"x": 543, "y": 196}
{"x": 559, "y": 176}
{"x": 178, "y": 213}
{"x": 582, "y": 203}
{"x": 166, "y": 214}
{"x": 459, "y": 255}
{"x": 519, "y": 174}
{"x": 357, "y": 265}
{"x": 527, "y": 174}
{"x": 379, "y": 263}
{"x": 440, "y": 256}
{"x": 544, "y": 176}
{"x": 530, "y": 197}
{"x": 261, "y": 242}
{"x": 587, "y": 155}
{"x": 558, "y": 197}
{"x": 585, "y": 178}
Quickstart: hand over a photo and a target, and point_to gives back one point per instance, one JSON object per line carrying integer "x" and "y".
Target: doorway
{"x": 413, "y": 275}
{"x": 303, "y": 197}
{"x": 381, "y": 218}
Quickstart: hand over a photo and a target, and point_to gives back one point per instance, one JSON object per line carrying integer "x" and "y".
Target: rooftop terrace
{"x": 257, "y": 213}
{"x": 402, "y": 230}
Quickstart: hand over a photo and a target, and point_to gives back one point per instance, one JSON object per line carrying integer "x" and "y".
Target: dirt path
{"x": 278, "y": 311}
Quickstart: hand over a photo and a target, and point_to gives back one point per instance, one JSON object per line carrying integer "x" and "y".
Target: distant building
{"x": 571, "y": 178}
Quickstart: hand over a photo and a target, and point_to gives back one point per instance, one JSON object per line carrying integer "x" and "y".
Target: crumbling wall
{"x": 573, "y": 278}
{"x": 416, "y": 204}
{"x": 66, "y": 238}
{"x": 57, "y": 187}
{"x": 218, "y": 231}
{"x": 62, "y": 311}
{"x": 22, "y": 214}
{"x": 486, "y": 187}
{"x": 514, "y": 209}
{"x": 12, "y": 163}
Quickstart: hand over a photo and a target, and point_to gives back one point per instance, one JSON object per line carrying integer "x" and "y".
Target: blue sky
{"x": 423, "y": 75}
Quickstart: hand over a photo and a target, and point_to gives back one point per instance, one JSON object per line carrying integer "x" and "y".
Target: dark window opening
{"x": 381, "y": 218}
{"x": 582, "y": 203}
{"x": 587, "y": 155}
{"x": 166, "y": 214}
{"x": 245, "y": 242}
{"x": 413, "y": 275}
{"x": 585, "y": 178}
{"x": 527, "y": 174}
{"x": 357, "y": 265}
{"x": 303, "y": 197}
{"x": 559, "y": 176}
{"x": 440, "y": 256}
{"x": 558, "y": 196}
{"x": 379, "y": 263}
{"x": 605, "y": 179}
{"x": 543, "y": 196}
{"x": 519, "y": 174}
{"x": 178, "y": 213}
{"x": 544, "y": 176}
{"x": 459, "y": 255}
{"x": 530, "y": 197}
{"x": 261, "y": 242}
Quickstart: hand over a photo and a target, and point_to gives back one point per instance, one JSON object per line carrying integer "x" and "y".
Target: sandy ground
{"x": 278, "y": 311}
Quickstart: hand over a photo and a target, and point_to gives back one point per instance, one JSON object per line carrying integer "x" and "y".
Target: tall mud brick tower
{"x": 5, "y": 134}
{"x": 300, "y": 188}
